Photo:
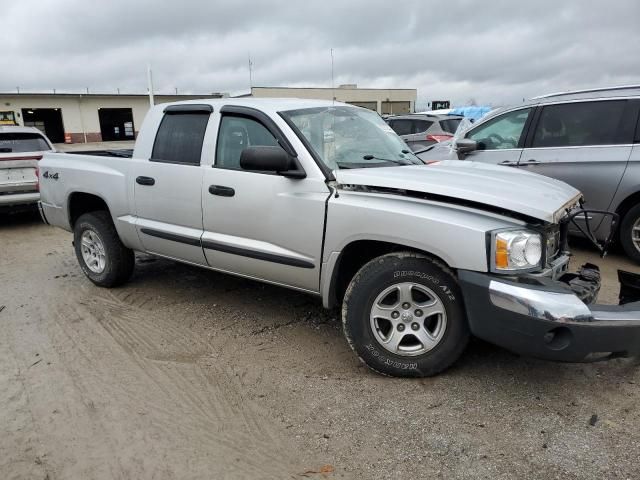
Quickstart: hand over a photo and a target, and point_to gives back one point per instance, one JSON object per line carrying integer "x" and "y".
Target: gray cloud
{"x": 495, "y": 52}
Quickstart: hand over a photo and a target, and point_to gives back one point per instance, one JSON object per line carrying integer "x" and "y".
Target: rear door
{"x": 500, "y": 139}
{"x": 168, "y": 188}
{"x": 586, "y": 144}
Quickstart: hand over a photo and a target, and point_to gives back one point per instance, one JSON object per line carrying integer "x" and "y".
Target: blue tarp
{"x": 471, "y": 112}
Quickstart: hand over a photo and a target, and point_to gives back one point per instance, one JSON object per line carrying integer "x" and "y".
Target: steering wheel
{"x": 500, "y": 139}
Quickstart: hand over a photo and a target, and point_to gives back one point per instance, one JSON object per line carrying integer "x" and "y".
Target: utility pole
{"x": 150, "y": 85}
{"x": 333, "y": 86}
{"x": 250, "y": 73}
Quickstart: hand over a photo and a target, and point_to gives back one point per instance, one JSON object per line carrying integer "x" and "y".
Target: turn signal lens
{"x": 502, "y": 253}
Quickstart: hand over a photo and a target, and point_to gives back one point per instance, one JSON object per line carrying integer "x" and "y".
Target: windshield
{"x": 350, "y": 137}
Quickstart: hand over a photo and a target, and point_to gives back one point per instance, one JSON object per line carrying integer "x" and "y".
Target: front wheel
{"x": 403, "y": 315}
{"x": 102, "y": 256}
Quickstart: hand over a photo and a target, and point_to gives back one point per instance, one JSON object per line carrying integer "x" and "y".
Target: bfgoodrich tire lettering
{"x": 118, "y": 260}
{"x": 429, "y": 276}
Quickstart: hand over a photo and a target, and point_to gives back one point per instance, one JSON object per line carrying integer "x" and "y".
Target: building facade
{"x": 385, "y": 101}
{"x": 81, "y": 118}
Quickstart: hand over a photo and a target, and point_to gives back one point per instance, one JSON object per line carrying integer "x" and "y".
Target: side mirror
{"x": 270, "y": 159}
{"x": 466, "y": 145}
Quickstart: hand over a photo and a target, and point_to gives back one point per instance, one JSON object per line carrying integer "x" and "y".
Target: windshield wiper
{"x": 392, "y": 160}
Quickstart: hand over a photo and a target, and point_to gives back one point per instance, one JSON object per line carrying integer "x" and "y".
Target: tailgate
{"x": 19, "y": 179}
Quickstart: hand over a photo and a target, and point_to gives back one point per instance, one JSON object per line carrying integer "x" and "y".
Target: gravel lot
{"x": 185, "y": 373}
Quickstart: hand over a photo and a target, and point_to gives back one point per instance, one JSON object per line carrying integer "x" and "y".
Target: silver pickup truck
{"x": 325, "y": 198}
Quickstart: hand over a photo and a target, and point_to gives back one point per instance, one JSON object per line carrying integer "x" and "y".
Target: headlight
{"x": 516, "y": 250}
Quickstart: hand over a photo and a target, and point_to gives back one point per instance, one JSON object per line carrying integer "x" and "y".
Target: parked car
{"x": 326, "y": 199}
{"x": 589, "y": 139}
{"x": 20, "y": 150}
{"x": 421, "y": 130}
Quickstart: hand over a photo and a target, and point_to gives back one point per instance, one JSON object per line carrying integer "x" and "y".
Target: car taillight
{"x": 38, "y": 179}
{"x": 439, "y": 138}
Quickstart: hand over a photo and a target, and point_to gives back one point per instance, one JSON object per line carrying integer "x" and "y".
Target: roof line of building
{"x": 335, "y": 88}
{"x": 69, "y": 94}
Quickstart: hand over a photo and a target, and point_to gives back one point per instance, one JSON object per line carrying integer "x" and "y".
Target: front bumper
{"x": 544, "y": 318}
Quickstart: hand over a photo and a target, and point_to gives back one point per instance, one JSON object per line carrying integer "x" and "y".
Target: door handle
{"x": 508, "y": 163}
{"x": 531, "y": 161}
{"x": 145, "y": 181}
{"x": 221, "y": 191}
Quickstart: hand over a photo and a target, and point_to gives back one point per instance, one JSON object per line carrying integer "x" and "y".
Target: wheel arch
{"x": 356, "y": 254}
{"x": 79, "y": 203}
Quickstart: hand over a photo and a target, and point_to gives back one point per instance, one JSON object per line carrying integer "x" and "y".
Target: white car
{"x": 20, "y": 150}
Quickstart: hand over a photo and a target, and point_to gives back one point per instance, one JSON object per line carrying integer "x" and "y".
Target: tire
{"x": 631, "y": 218}
{"x": 385, "y": 281}
{"x": 115, "y": 266}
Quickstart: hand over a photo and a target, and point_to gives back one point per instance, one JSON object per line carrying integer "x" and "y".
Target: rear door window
{"x": 21, "y": 142}
{"x": 580, "y": 124}
{"x": 179, "y": 138}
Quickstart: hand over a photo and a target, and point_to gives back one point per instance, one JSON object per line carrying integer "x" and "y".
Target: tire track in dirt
{"x": 215, "y": 413}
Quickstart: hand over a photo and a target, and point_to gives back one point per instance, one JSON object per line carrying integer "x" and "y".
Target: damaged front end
{"x": 555, "y": 317}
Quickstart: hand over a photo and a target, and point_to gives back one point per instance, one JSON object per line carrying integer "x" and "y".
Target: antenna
{"x": 250, "y": 71}
{"x": 333, "y": 86}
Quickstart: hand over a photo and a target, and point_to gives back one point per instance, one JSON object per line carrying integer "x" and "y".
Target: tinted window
{"x": 402, "y": 127}
{"x": 450, "y": 125}
{"x": 236, "y": 134}
{"x": 577, "y": 124}
{"x": 179, "y": 138}
{"x": 501, "y": 132}
{"x": 16, "y": 142}
{"x": 420, "y": 126}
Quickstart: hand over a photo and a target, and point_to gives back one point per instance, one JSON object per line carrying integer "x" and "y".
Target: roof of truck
{"x": 19, "y": 129}
{"x": 265, "y": 104}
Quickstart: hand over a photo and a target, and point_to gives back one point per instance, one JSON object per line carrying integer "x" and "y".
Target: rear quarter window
{"x": 22, "y": 142}
{"x": 450, "y": 125}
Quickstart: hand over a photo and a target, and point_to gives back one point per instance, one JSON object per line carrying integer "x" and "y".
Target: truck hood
{"x": 500, "y": 187}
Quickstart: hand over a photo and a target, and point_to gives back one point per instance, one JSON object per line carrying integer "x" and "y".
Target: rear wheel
{"x": 403, "y": 315}
{"x": 630, "y": 233}
{"x": 102, "y": 256}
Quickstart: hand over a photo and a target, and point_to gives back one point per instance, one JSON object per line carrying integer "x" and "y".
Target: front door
{"x": 168, "y": 188}
{"x": 258, "y": 224}
{"x": 500, "y": 139}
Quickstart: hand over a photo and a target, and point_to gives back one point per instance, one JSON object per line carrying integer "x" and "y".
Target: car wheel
{"x": 102, "y": 256}
{"x": 403, "y": 315}
{"x": 630, "y": 233}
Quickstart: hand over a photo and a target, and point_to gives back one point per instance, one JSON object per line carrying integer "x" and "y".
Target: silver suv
{"x": 419, "y": 130}
{"x": 588, "y": 138}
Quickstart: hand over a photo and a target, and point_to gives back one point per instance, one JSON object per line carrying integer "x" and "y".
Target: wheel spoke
{"x": 384, "y": 312}
{"x": 393, "y": 340}
{"x": 425, "y": 338}
{"x": 404, "y": 293}
{"x": 433, "y": 308}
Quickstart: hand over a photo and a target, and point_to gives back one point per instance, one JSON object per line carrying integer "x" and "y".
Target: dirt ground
{"x": 188, "y": 374}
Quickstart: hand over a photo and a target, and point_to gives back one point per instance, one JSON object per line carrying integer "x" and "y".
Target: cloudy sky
{"x": 496, "y": 51}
